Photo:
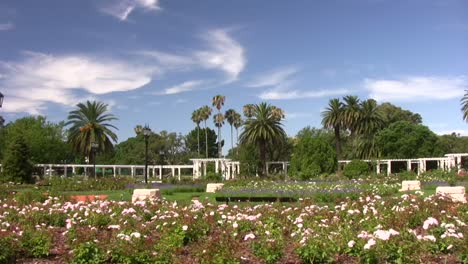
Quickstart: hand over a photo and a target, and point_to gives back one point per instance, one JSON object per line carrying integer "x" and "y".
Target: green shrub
{"x": 213, "y": 177}
{"x": 30, "y": 196}
{"x": 88, "y": 252}
{"x": 311, "y": 157}
{"x": 355, "y": 169}
{"x": 37, "y": 243}
{"x": 8, "y": 248}
{"x": 17, "y": 166}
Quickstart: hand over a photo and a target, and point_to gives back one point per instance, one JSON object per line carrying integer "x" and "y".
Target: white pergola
{"x": 448, "y": 162}
{"x": 228, "y": 168}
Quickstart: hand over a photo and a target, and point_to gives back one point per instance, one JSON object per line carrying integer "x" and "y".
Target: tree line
{"x": 352, "y": 129}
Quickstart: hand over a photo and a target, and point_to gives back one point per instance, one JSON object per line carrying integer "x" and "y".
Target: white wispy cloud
{"x": 288, "y": 94}
{"x": 295, "y": 115}
{"x": 40, "y": 78}
{"x": 416, "y": 88}
{"x": 183, "y": 87}
{"x": 122, "y": 9}
{"x": 273, "y": 78}
{"x": 6, "y": 26}
{"x": 223, "y": 53}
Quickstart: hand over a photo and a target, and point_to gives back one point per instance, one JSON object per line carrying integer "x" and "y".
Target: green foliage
{"x": 312, "y": 156}
{"x": 356, "y": 169}
{"x": 250, "y": 159}
{"x": 454, "y": 143}
{"x": 90, "y": 122}
{"x": 403, "y": 140}
{"x": 213, "y": 177}
{"x": 88, "y": 252}
{"x": 37, "y": 243}
{"x": 29, "y": 197}
{"x": 56, "y": 184}
{"x": 17, "y": 166}
{"x": 392, "y": 114}
{"x": 8, "y": 250}
{"x": 44, "y": 139}
{"x": 192, "y": 144}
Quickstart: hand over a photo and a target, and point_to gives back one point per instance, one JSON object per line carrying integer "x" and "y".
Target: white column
{"x": 216, "y": 166}
{"x": 132, "y": 171}
{"x": 65, "y": 170}
{"x": 204, "y": 167}
{"x": 73, "y": 170}
{"x": 408, "y": 165}
{"x": 172, "y": 171}
{"x": 378, "y": 168}
{"x": 389, "y": 167}
{"x": 160, "y": 172}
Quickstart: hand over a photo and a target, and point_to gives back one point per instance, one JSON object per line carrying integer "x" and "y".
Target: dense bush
{"x": 17, "y": 166}
{"x": 311, "y": 157}
{"x": 55, "y": 184}
{"x": 356, "y": 169}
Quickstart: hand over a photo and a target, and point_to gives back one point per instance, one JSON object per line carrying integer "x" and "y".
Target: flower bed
{"x": 370, "y": 229}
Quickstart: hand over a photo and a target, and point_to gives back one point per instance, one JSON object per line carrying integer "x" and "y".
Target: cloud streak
{"x": 183, "y": 87}
{"x": 39, "y": 79}
{"x": 122, "y": 9}
{"x": 297, "y": 94}
{"x": 273, "y": 78}
{"x": 416, "y": 88}
{"x": 6, "y": 26}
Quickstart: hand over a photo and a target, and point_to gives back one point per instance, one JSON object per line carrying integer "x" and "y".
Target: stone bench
{"x": 143, "y": 194}
{"x": 457, "y": 193}
{"x": 213, "y": 187}
{"x": 410, "y": 186}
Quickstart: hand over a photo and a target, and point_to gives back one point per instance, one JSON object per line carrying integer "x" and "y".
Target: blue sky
{"x": 154, "y": 62}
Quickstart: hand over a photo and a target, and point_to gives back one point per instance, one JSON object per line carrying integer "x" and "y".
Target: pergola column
{"x": 389, "y": 167}
{"x": 216, "y": 166}
{"x": 65, "y": 170}
{"x": 378, "y": 167}
{"x": 73, "y": 170}
{"x": 172, "y": 171}
{"x": 408, "y": 165}
{"x": 160, "y": 172}
{"x": 132, "y": 171}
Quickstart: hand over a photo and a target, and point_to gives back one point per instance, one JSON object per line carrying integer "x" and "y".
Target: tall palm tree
{"x": 263, "y": 129}
{"x": 138, "y": 129}
{"x": 205, "y": 113}
{"x": 332, "y": 118}
{"x": 464, "y": 103}
{"x": 197, "y": 118}
{"x": 230, "y": 116}
{"x": 218, "y": 120}
{"x": 90, "y": 122}
{"x": 237, "y": 124}
{"x": 218, "y": 102}
{"x": 351, "y": 113}
{"x": 369, "y": 123}
{"x": 248, "y": 110}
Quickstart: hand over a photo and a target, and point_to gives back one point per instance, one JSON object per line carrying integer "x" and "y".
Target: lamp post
{"x": 94, "y": 147}
{"x": 146, "y": 133}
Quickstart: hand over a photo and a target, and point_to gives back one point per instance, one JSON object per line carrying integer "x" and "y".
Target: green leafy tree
{"x": 205, "y": 112}
{"x": 333, "y": 118}
{"x": 263, "y": 129}
{"x": 46, "y": 140}
{"x": 17, "y": 165}
{"x": 90, "y": 122}
{"x": 218, "y": 102}
{"x": 391, "y": 114}
{"x": 404, "y": 140}
{"x": 453, "y": 143}
{"x": 238, "y": 122}
{"x": 312, "y": 155}
{"x": 191, "y": 142}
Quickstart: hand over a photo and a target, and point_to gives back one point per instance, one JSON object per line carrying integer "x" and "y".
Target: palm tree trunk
{"x": 206, "y": 140}
{"x": 237, "y": 142}
{"x": 338, "y": 148}
{"x": 198, "y": 139}
{"x": 219, "y": 142}
{"x": 232, "y": 140}
{"x": 263, "y": 157}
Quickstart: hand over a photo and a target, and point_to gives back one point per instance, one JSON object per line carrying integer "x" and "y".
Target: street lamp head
{"x": 146, "y": 131}
{"x": 1, "y": 99}
{"x": 94, "y": 145}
